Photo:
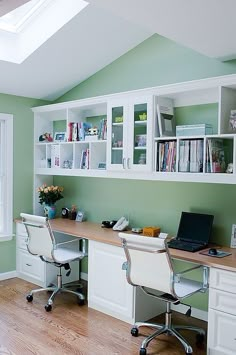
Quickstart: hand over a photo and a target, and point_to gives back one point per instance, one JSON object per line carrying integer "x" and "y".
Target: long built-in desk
{"x": 109, "y": 292}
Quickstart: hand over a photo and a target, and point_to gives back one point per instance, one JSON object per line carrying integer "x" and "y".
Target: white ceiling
{"x": 107, "y": 29}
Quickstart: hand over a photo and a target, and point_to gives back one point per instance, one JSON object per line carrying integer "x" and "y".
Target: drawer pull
{"x": 28, "y": 264}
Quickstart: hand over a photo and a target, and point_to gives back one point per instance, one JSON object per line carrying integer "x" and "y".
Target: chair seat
{"x": 63, "y": 255}
{"x": 186, "y": 287}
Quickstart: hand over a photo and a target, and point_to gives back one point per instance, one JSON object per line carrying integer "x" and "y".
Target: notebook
{"x": 193, "y": 233}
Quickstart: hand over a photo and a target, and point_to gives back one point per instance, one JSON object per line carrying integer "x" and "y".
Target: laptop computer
{"x": 193, "y": 233}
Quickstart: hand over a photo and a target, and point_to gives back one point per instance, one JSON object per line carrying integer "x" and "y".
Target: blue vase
{"x": 50, "y": 211}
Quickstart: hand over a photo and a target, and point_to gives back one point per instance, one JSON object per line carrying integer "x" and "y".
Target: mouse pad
{"x": 220, "y": 253}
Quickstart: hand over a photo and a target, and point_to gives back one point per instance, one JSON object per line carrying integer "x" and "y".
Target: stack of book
{"x": 191, "y": 155}
{"x": 84, "y": 160}
{"x": 77, "y": 131}
{"x": 102, "y": 130}
{"x": 167, "y": 156}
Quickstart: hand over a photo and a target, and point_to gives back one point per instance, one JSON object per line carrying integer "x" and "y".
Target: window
{"x": 6, "y": 176}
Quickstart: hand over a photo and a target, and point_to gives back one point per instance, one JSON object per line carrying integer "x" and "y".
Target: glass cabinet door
{"x": 139, "y": 156}
{"x": 116, "y": 136}
{"x": 129, "y": 134}
{"x": 140, "y": 134}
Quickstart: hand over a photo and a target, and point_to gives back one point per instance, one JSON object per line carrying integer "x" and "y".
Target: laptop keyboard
{"x": 177, "y": 244}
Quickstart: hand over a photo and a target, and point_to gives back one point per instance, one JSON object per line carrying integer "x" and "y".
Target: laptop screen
{"x": 195, "y": 227}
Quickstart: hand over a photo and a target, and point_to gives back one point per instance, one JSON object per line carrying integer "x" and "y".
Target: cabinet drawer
{"x": 221, "y": 333}
{"x": 223, "y": 280}
{"x": 222, "y": 301}
{"x": 20, "y": 229}
{"x": 30, "y": 265}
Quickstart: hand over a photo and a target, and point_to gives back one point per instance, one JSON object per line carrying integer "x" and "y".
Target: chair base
{"x": 169, "y": 329}
{"x": 59, "y": 288}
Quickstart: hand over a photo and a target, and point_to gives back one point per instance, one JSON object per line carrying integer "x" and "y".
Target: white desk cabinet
{"x": 222, "y": 313}
{"x": 108, "y": 289}
{"x": 31, "y": 268}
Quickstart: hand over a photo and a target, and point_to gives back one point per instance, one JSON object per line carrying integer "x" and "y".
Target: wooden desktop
{"x": 94, "y": 231}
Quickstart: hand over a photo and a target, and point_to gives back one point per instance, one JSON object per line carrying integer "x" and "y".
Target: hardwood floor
{"x": 26, "y": 328}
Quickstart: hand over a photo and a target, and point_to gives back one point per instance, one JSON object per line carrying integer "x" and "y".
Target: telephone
{"x": 121, "y": 224}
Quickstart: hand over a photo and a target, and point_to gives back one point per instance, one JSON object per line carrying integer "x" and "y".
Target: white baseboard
{"x": 196, "y": 313}
{"x": 84, "y": 276}
{"x": 8, "y": 275}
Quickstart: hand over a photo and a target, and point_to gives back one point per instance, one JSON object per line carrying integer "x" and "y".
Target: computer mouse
{"x": 212, "y": 251}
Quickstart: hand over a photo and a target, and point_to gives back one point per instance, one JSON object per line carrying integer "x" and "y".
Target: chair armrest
{"x": 205, "y": 275}
{"x": 67, "y": 242}
{"x": 72, "y": 241}
{"x": 188, "y": 270}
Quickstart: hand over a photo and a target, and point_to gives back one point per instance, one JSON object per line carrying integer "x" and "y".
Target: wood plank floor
{"x": 26, "y": 328}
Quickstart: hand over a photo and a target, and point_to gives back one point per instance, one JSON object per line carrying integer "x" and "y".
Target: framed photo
{"x": 60, "y": 137}
{"x": 80, "y": 217}
{"x": 102, "y": 166}
{"x": 166, "y": 118}
{"x": 140, "y": 140}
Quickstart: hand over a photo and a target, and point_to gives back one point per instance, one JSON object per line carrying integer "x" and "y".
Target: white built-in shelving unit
{"x": 131, "y": 148}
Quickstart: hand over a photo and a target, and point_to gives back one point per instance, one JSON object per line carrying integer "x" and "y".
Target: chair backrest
{"x": 149, "y": 262}
{"x": 40, "y": 237}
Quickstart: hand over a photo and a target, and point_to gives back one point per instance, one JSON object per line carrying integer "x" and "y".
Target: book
{"x": 55, "y": 156}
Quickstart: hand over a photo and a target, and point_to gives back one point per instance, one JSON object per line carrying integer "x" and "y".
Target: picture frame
{"x": 166, "y": 118}
{"x": 60, "y": 137}
{"x": 80, "y": 217}
{"x": 101, "y": 166}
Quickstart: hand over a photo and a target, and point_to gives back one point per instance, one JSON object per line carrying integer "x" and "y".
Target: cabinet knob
{"x": 28, "y": 264}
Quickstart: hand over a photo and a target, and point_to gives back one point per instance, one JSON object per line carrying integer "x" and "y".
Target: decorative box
{"x": 194, "y": 130}
{"x": 151, "y": 231}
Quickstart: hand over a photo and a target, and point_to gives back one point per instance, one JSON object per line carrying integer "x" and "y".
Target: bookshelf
{"x": 131, "y": 146}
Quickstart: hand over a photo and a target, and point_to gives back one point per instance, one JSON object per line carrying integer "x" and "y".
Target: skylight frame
{"x": 22, "y": 22}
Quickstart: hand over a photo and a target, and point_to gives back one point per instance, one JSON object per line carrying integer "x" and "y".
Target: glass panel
{"x": 117, "y": 135}
{"x": 140, "y": 134}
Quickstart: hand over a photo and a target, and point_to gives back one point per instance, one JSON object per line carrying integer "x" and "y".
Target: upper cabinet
{"x": 178, "y": 132}
{"x": 129, "y": 135}
{"x": 71, "y": 138}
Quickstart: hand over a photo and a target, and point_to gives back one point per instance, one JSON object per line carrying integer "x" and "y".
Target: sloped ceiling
{"x": 107, "y": 29}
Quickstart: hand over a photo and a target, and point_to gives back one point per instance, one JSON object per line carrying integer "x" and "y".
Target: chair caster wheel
{"x": 81, "y": 302}
{"x": 48, "y": 307}
{"x": 134, "y": 332}
{"x": 142, "y": 351}
{"x": 29, "y": 298}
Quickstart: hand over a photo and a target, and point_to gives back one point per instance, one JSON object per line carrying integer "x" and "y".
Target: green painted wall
{"x": 156, "y": 61}
{"x": 20, "y": 107}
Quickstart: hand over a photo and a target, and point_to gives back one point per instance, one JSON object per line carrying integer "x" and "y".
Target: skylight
{"x": 25, "y": 29}
{"x": 14, "y": 21}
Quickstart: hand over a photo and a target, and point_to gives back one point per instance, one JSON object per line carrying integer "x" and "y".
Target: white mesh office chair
{"x": 149, "y": 266}
{"x": 41, "y": 242}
